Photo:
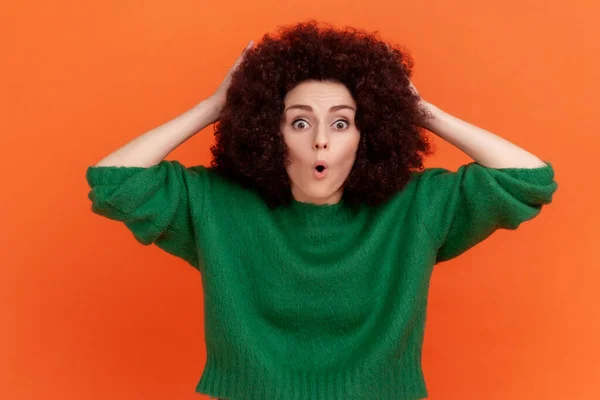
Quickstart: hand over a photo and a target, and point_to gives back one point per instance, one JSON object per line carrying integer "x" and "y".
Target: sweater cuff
{"x": 102, "y": 175}
{"x": 539, "y": 174}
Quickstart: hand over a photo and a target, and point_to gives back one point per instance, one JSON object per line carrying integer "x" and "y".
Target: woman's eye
{"x": 298, "y": 126}
{"x": 341, "y": 122}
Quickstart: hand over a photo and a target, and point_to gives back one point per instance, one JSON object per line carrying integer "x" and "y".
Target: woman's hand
{"x": 425, "y": 106}
{"x": 414, "y": 89}
{"x": 220, "y": 95}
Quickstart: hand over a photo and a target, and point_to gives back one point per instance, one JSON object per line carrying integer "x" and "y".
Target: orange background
{"x": 89, "y": 313}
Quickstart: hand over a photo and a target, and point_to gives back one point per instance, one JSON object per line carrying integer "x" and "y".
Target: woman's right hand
{"x": 220, "y": 95}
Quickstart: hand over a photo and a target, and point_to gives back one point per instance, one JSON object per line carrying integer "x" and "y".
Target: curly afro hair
{"x": 249, "y": 147}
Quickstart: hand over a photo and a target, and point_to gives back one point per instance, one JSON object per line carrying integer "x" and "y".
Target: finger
{"x": 238, "y": 61}
{"x": 248, "y": 47}
{"x": 241, "y": 56}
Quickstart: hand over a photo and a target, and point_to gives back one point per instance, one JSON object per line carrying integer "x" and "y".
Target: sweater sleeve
{"x": 153, "y": 203}
{"x": 465, "y": 207}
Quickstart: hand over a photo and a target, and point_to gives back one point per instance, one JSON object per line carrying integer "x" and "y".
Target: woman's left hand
{"x": 414, "y": 89}
{"x": 424, "y": 105}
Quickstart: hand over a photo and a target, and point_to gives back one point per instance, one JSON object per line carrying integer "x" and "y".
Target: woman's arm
{"x": 484, "y": 147}
{"x": 153, "y": 146}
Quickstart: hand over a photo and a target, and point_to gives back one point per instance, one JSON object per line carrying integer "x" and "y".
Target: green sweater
{"x": 315, "y": 302}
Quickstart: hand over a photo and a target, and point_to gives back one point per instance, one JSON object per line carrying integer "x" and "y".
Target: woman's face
{"x": 318, "y": 124}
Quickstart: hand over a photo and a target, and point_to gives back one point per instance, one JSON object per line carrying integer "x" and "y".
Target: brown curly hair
{"x": 249, "y": 147}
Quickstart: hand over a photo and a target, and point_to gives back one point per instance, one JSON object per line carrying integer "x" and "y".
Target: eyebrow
{"x": 309, "y": 108}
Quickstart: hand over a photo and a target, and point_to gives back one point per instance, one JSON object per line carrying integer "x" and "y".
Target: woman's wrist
{"x": 431, "y": 114}
{"x": 209, "y": 108}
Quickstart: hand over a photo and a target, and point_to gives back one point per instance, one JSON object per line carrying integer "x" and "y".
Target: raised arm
{"x": 504, "y": 186}
{"x": 160, "y": 202}
{"x": 153, "y": 146}
{"x": 485, "y": 147}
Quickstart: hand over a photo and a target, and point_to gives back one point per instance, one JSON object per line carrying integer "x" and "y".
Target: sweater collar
{"x": 321, "y": 213}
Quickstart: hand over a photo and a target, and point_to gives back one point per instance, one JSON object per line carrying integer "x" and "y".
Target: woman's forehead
{"x": 319, "y": 93}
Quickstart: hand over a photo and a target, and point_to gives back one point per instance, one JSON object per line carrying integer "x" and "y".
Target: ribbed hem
{"x": 229, "y": 377}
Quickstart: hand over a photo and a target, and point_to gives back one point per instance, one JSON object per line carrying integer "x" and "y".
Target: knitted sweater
{"x": 315, "y": 302}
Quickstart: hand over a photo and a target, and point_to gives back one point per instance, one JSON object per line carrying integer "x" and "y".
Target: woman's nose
{"x": 320, "y": 140}
{"x": 320, "y": 145}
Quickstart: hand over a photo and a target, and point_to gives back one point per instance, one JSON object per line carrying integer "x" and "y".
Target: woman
{"x": 316, "y": 228}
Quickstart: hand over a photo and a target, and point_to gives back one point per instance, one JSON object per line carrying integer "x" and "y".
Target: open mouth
{"x": 320, "y": 170}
